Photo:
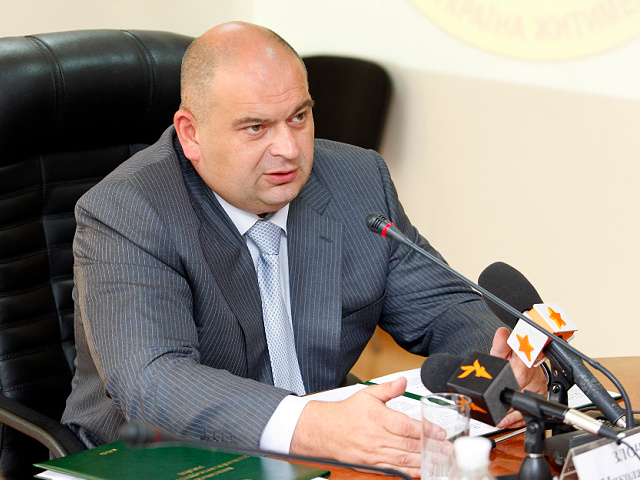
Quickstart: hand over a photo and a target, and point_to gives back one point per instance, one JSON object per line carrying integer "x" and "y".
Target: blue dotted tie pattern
{"x": 278, "y": 329}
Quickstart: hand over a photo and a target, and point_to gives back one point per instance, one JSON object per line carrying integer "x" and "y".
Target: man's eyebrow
{"x": 308, "y": 103}
{"x": 261, "y": 121}
{"x": 250, "y": 120}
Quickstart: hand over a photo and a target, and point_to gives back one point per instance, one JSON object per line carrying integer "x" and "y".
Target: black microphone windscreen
{"x": 509, "y": 285}
{"x": 437, "y": 369}
{"x": 376, "y": 222}
{"x": 483, "y": 378}
{"x": 479, "y": 375}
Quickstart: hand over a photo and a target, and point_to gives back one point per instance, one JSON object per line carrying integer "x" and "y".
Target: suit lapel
{"x": 315, "y": 251}
{"x": 228, "y": 258}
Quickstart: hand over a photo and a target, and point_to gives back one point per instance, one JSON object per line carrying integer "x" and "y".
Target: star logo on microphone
{"x": 525, "y": 346}
{"x": 476, "y": 367}
{"x": 473, "y": 406}
{"x": 556, "y": 317}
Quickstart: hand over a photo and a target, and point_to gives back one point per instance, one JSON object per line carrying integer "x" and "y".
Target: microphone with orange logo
{"x": 493, "y": 389}
{"x": 480, "y": 376}
{"x": 527, "y": 342}
{"x": 513, "y": 287}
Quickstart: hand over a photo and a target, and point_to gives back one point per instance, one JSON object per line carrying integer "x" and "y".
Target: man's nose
{"x": 284, "y": 142}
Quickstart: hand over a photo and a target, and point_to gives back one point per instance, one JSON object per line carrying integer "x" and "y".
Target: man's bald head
{"x": 229, "y": 44}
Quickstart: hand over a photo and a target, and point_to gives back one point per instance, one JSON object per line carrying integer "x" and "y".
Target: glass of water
{"x": 451, "y": 412}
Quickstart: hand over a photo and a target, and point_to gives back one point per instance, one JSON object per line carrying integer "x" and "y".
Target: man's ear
{"x": 186, "y": 129}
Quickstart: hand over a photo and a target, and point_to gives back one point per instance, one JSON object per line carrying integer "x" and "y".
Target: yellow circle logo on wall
{"x": 537, "y": 29}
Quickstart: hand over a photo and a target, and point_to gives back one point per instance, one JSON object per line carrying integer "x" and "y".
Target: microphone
{"x": 513, "y": 287}
{"x": 492, "y": 387}
{"x": 378, "y": 223}
{"x": 510, "y": 285}
{"x": 479, "y": 376}
{"x": 526, "y": 342}
{"x": 141, "y": 434}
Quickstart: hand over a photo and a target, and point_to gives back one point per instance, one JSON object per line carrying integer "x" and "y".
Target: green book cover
{"x": 116, "y": 461}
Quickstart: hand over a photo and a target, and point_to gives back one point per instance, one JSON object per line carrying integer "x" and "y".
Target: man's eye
{"x": 254, "y": 128}
{"x": 299, "y": 117}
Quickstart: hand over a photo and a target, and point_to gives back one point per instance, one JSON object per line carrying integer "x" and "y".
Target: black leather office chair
{"x": 351, "y": 99}
{"x": 73, "y": 106}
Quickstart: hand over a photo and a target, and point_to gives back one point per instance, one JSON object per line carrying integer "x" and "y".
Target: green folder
{"x": 117, "y": 461}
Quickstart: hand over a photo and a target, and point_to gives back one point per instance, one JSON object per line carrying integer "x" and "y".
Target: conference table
{"x": 507, "y": 455}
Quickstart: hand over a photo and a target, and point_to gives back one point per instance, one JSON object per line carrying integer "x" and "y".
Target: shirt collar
{"x": 244, "y": 220}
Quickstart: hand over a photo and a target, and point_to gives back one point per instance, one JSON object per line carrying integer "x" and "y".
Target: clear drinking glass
{"x": 450, "y": 411}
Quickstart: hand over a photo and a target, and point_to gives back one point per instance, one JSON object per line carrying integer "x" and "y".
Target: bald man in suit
{"x": 169, "y": 317}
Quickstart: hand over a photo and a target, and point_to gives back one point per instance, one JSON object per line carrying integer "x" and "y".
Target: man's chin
{"x": 274, "y": 197}
{"x": 275, "y": 205}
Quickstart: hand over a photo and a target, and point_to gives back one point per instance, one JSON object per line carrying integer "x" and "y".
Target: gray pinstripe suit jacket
{"x": 168, "y": 321}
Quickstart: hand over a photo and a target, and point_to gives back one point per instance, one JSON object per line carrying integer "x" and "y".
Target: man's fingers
{"x": 387, "y": 391}
{"x": 402, "y": 462}
{"x": 431, "y": 430}
{"x": 500, "y": 347}
{"x": 530, "y": 378}
{"x": 376, "y": 435}
{"x": 513, "y": 419}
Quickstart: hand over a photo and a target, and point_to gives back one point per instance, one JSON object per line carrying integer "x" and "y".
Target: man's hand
{"x": 362, "y": 429}
{"x": 532, "y": 379}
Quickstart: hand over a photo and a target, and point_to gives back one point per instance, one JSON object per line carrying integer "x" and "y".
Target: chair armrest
{"x": 56, "y": 437}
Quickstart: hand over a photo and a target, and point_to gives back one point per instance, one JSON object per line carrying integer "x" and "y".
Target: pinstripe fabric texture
{"x": 168, "y": 313}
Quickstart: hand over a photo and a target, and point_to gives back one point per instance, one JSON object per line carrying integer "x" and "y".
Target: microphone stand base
{"x": 535, "y": 467}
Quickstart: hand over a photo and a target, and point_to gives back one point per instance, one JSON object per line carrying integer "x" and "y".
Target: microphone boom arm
{"x": 378, "y": 223}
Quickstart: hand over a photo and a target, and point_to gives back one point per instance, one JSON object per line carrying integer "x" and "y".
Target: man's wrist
{"x": 278, "y": 432}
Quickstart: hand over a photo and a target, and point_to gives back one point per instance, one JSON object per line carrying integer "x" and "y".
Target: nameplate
{"x": 604, "y": 460}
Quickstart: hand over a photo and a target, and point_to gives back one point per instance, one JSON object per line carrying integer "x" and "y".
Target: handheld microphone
{"x": 140, "y": 434}
{"x": 511, "y": 286}
{"x": 514, "y": 288}
{"x": 378, "y": 223}
{"x": 492, "y": 387}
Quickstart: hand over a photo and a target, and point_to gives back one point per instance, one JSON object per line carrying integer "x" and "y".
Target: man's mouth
{"x": 281, "y": 176}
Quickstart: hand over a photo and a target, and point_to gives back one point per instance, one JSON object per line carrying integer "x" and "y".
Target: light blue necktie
{"x": 278, "y": 329}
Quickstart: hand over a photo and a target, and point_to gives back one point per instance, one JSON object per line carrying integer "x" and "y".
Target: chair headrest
{"x": 75, "y": 89}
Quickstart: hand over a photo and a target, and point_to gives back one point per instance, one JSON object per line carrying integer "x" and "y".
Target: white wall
{"x": 534, "y": 163}
{"x": 189, "y": 17}
{"x": 531, "y": 163}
